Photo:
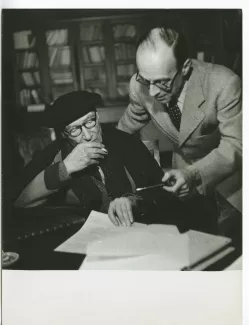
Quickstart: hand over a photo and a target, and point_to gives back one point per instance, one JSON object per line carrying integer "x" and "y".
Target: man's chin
{"x": 164, "y": 100}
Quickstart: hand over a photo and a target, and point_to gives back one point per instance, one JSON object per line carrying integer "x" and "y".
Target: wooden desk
{"x": 37, "y": 253}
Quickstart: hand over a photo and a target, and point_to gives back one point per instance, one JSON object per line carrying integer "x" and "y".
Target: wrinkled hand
{"x": 178, "y": 183}
{"x": 84, "y": 155}
{"x": 120, "y": 211}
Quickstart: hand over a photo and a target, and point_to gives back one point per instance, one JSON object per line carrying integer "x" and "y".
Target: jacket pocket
{"x": 209, "y": 136}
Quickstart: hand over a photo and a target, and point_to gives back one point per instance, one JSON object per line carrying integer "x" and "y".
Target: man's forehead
{"x": 82, "y": 119}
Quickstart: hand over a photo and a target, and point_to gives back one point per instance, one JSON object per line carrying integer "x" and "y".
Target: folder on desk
{"x": 141, "y": 246}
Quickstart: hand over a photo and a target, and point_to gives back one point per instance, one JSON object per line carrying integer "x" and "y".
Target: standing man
{"x": 197, "y": 105}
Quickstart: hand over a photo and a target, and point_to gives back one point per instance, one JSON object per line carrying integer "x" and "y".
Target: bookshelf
{"x": 92, "y": 58}
{"x": 124, "y": 36}
{"x": 60, "y": 62}
{"x": 26, "y": 57}
{"x": 98, "y": 53}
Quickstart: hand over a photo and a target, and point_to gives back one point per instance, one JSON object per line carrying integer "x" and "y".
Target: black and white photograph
{"x": 122, "y": 139}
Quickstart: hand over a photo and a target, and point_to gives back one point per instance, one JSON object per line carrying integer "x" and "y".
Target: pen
{"x": 149, "y": 187}
{"x": 168, "y": 183}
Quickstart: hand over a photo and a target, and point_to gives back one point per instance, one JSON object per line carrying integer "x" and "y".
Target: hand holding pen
{"x": 180, "y": 182}
{"x": 173, "y": 181}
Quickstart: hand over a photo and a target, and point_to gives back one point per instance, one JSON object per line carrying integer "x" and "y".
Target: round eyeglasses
{"x": 161, "y": 84}
{"x": 77, "y": 130}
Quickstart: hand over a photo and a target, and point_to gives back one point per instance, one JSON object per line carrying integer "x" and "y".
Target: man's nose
{"x": 153, "y": 90}
{"x": 86, "y": 134}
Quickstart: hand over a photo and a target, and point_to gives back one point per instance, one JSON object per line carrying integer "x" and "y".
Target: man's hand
{"x": 120, "y": 211}
{"x": 84, "y": 155}
{"x": 178, "y": 182}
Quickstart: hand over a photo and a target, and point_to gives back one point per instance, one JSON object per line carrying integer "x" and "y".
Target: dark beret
{"x": 69, "y": 108}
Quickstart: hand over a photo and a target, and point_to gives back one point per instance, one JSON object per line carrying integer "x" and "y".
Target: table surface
{"x": 38, "y": 254}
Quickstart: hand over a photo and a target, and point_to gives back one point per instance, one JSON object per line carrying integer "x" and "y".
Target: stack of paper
{"x": 149, "y": 247}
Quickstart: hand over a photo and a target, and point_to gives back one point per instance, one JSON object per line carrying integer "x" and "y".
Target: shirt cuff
{"x": 56, "y": 176}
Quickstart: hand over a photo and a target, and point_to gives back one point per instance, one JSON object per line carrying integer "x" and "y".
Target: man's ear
{"x": 186, "y": 67}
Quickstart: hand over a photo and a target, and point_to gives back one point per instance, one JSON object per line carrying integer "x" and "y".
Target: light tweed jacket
{"x": 210, "y": 136}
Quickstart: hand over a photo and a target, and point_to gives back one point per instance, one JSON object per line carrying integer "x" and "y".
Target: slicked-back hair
{"x": 172, "y": 37}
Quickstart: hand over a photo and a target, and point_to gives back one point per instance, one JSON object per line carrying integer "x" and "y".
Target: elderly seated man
{"x": 87, "y": 166}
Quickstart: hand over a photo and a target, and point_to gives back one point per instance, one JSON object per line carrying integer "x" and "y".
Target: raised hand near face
{"x": 84, "y": 155}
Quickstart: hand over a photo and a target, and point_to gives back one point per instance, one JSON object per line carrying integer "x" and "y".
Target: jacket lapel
{"x": 191, "y": 113}
{"x": 162, "y": 119}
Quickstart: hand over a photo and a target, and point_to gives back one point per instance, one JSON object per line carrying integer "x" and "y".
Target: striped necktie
{"x": 175, "y": 114}
{"x": 106, "y": 197}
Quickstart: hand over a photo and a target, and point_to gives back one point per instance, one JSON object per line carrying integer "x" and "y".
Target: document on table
{"x": 99, "y": 237}
{"x": 140, "y": 246}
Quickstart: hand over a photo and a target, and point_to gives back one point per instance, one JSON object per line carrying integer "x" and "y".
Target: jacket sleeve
{"x": 135, "y": 115}
{"x": 44, "y": 184}
{"x": 227, "y": 157}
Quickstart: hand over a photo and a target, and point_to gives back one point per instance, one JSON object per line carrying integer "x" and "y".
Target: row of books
{"x": 24, "y": 40}
{"x": 124, "y": 30}
{"x": 27, "y": 60}
{"x": 97, "y": 73}
{"x": 123, "y": 89}
{"x": 30, "y": 79}
{"x": 93, "y": 54}
{"x": 91, "y": 32}
{"x": 29, "y": 97}
{"x": 57, "y": 37}
{"x": 126, "y": 70}
{"x": 59, "y": 56}
{"x": 62, "y": 77}
{"x": 124, "y": 51}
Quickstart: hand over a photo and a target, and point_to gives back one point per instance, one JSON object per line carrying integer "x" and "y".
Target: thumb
{"x": 167, "y": 176}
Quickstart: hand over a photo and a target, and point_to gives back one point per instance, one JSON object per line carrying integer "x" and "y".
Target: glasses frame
{"x": 80, "y": 128}
{"x": 149, "y": 83}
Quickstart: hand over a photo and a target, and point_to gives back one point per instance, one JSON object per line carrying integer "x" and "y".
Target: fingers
{"x": 111, "y": 214}
{"x": 97, "y": 150}
{"x": 173, "y": 189}
{"x": 184, "y": 187}
{"x": 126, "y": 212}
{"x": 129, "y": 211}
{"x": 182, "y": 195}
{"x": 92, "y": 145}
{"x": 120, "y": 212}
{"x": 167, "y": 176}
{"x": 92, "y": 162}
{"x": 95, "y": 156}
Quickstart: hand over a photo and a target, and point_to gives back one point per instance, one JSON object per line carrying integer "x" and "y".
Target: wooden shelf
{"x": 123, "y": 78}
{"x": 126, "y": 61}
{"x": 90, "y": 65}
{"x": 96, "y": 83}
{"x": 62, "y": 68}
{"x": 29, "y": 49}
{"x": 66, "y": 84}
{"x": 123, "y": 39}
{"x": 59, "y": 45}
{"x": 20, "y": 70}
{"x": 30, "y": 87}
{"x": 94, "y": 42}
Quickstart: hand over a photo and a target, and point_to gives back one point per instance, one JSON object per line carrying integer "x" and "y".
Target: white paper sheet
{"x": 152, "y": 262}
{"x": 99, "y": 237}
{"x": 149, "y": 247}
